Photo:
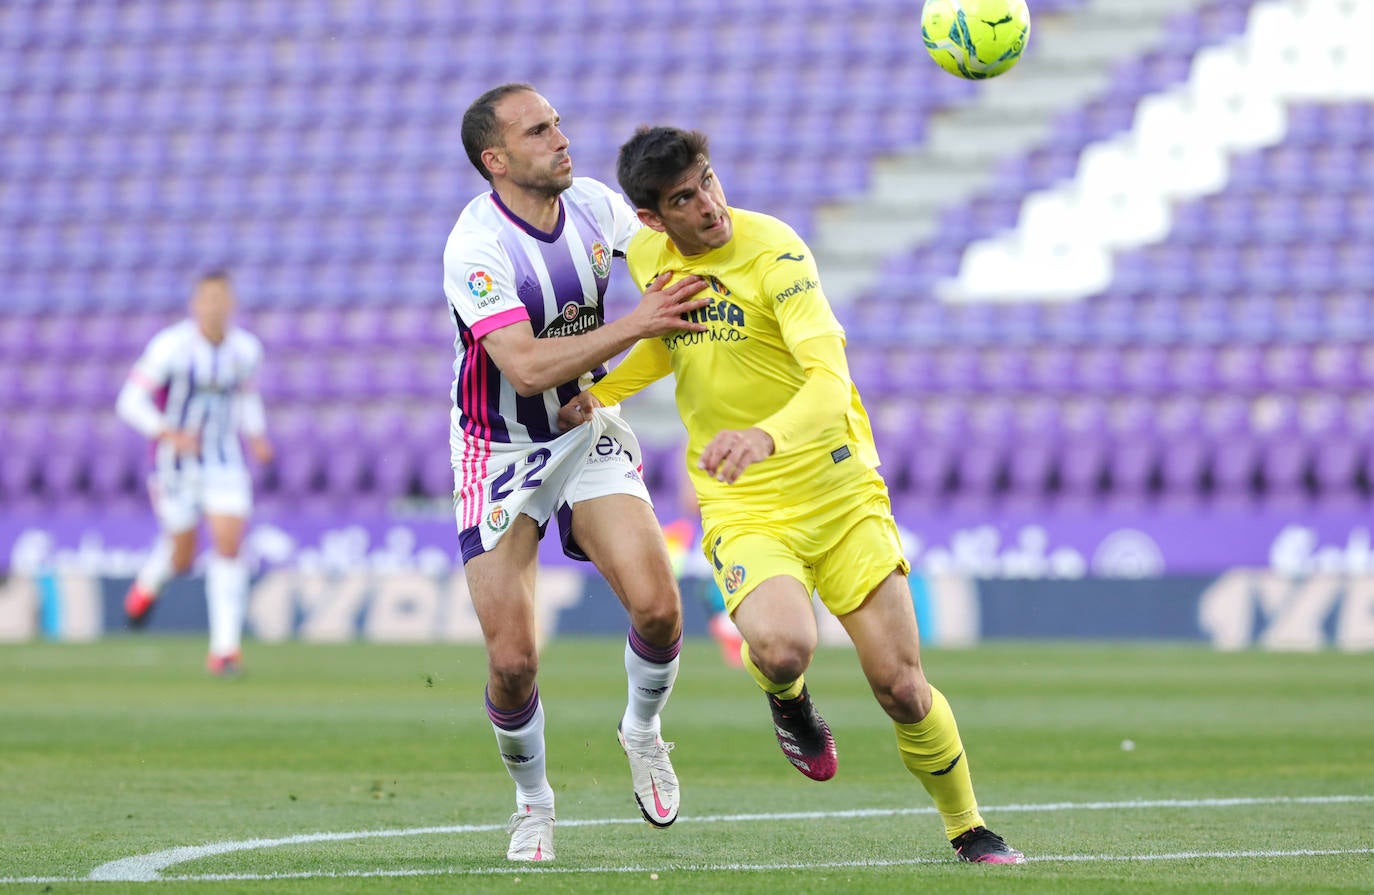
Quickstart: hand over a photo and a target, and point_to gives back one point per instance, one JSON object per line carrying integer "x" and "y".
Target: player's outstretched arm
{"x": 820, "y": 403}
{"x": 536, "y": 365}
{"x": 647, "y": 363}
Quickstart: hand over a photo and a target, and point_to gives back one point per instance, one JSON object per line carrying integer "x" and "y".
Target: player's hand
{"x": 660, "y": 310}
{"x": 733, "y": 451}
{"x": 183, "y": 442}
{"x": 261, "y": 448}
{"x": 577, "y": 411}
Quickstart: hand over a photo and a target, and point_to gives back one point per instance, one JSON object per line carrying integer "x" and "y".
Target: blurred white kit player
{"x": 193, "y": 392}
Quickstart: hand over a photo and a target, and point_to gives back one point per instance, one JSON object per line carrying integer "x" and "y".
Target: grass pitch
{"x": 366, "y": 768}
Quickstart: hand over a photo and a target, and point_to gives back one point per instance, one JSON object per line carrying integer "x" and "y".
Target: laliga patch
{"x": 498, "y": 519}
{"x": 481, "y": 287}
{"x": 734, "y": 578}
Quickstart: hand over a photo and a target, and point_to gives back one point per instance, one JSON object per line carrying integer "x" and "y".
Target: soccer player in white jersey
{"x": 525, "y": 270}
{"x": 193, "y": 392}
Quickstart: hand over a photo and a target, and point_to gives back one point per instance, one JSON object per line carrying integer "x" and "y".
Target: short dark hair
{"x": 213, "y": 275}
{"x": 481, "y": 131}
{"x": 656, "y": 158}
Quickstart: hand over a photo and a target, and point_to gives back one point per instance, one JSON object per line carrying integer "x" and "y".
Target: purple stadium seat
{"x": 1031, "y": 467}
{"x": 1284, "y": 467}
{"x": 1337, "y": 467}
{"x": 1235, "y": 463}
{"x": 1082, "y": 465}
{"x": 1183, "y": 464}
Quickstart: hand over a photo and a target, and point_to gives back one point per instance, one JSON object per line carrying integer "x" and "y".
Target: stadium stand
{"x": 312, "y": 148}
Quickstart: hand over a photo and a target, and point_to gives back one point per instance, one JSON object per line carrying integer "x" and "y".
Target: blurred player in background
{"x": 193, "y": 392}
{"x": 781, "y": 454}
{"x": 525, "y": 270}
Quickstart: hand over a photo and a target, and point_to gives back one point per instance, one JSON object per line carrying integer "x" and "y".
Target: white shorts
{"x": 493, "y": 483}
{"x": 181, "y": 497}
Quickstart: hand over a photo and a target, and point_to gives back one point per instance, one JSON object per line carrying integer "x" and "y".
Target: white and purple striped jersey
{"x": 184, "y": 381}
{"x": 498, "y": 270}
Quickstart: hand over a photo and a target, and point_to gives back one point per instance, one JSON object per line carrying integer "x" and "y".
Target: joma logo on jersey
{"x": 796, "y": 288}
{"x": 601, "y": 259}
{"x": 721, "y": 312}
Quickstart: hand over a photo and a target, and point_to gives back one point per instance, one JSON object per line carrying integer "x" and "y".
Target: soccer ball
{"x": 975, "y": 39}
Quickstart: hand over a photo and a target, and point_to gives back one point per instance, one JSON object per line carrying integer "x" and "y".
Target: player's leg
{"x": 501, "y": 585}
{"x": 226, "y": 592}
{"x": 778, "y": 624}
{"x": 172, "y": 553}
{"x": 885, "y": 634}
{"x": 226, "y": 498}
{"x": 621, "y": 536}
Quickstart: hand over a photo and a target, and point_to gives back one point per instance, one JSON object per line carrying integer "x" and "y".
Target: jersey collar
{"x": 551, "y": 236}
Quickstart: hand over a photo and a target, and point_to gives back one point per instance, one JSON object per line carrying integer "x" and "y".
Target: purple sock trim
{"x": 659, "y": 655}
{"x": 513, "y": 720}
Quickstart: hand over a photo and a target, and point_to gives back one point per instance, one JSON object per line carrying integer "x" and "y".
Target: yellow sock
{"x": 931, "y": 750}
{"x": 782, "y": 691}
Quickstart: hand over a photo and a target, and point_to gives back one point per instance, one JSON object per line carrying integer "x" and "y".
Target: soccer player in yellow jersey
{"x": 781, "y": 454}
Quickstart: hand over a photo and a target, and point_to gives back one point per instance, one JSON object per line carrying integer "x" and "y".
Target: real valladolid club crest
{"x": 601, "y": 259}
{"x": 498, "y": 519}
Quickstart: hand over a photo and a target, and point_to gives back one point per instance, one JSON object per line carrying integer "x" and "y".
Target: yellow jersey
{"x": 766, "y": 299}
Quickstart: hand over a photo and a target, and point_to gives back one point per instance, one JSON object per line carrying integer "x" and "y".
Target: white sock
{"x": 226, "y": 595}
{"x": 652, "y": 671}
{"x": 522, "y": 751}
{"x": 157, "y": 568}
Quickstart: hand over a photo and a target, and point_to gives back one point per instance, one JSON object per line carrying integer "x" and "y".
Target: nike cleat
{"x": 138, "y": 606}
{"x": 654, "y": 780}
{"x": 531, "y": 835}
{"x": 982, "y": 846}
{"x": 804, "y": 736}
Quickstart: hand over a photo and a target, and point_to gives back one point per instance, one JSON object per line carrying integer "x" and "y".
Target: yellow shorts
{"x": 842, "y": 560}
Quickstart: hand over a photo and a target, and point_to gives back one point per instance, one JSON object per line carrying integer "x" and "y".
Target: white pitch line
{"x": 697, "y": 868}
{"x": 149, "y": 867}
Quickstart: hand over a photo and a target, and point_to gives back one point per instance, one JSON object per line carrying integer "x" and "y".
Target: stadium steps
{"x": 1069, "y": 60}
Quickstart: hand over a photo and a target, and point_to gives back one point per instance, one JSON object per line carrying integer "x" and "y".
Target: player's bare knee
{"x": 906, "y": 697}
{"x": 659, "y": 622}
{"x": 781, "y": 660}
{"x": 514, "y": 672}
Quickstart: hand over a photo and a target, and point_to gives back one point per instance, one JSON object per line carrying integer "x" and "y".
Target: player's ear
{"x": 495, "y": 160}
{"x": 650, "y": 219}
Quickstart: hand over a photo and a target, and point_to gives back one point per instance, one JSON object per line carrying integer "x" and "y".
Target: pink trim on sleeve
{"x": 136, "y": 376}
{"x": 498, "y": 321}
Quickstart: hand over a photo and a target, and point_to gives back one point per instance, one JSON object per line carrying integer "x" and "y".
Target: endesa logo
{"x": 796, "y": 288}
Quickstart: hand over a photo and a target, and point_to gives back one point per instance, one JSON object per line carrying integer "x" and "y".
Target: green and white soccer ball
{"x": 975, "y": 39}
